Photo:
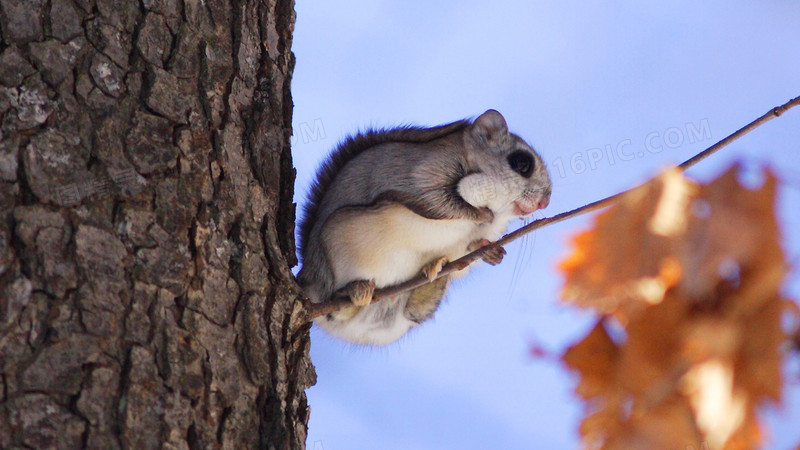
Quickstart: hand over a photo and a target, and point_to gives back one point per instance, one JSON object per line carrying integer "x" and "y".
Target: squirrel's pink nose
{"x": 545, "y": 200}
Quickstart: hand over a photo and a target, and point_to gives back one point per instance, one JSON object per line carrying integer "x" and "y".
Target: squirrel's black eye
{"x": 522, "y": 163}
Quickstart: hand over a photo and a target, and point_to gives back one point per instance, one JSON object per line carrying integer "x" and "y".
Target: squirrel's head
{"x": 508, "y": 176}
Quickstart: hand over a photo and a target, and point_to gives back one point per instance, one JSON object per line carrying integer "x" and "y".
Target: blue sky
{"x": 583, "y": 82}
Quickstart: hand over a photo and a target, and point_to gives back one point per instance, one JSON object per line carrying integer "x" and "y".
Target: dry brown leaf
{"x": 650, "y": 352}
{"x": 624, "y": 263}
{"x": 759, "y": 360}
{"x": 732, "y": 243}
{"x": 595, "y": 359}
{"x": 666, "y": 426}
{"x": 596, "y": 428}
{"x": 693, "y": 274}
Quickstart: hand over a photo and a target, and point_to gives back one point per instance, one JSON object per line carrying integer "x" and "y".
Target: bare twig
{"x": 338, "y": 303}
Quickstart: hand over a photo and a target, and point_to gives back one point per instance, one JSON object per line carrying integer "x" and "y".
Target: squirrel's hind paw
{"x": 432, "y": 269}
{"x": 359, "y": 291}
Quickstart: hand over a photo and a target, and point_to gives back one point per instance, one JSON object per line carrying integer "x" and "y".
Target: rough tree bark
{"x": 146, "y": 226}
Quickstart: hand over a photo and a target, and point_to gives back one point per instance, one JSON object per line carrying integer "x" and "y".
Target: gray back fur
{"x": 350, "y": 148}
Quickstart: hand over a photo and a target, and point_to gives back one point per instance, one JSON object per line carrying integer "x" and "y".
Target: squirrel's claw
{"x": 492, "y": 256}
{"x": 359, "y": 291}
{"x": 432, "y": 269}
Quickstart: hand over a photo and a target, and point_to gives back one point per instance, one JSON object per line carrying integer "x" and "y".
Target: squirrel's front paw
{"x": 432, "y": 269}
{"x": 492, "y": 256}
{"x": 484, "y": 215}
{"x": 359, "y": 291}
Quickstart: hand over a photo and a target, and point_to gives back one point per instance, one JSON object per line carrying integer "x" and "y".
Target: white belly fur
{"x": 390, "y": 244}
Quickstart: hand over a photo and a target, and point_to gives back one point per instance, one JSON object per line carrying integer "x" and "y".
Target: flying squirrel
{"x": 389, "y": 204}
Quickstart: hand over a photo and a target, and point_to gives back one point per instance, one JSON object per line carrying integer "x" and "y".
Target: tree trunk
{"x": 146, "y": 226}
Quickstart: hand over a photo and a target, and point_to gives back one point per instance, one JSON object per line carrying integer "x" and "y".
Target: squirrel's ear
{"x": 490, "y": 128}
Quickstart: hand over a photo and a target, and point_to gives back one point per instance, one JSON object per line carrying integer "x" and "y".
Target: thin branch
{"x": 337, "y": 303}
